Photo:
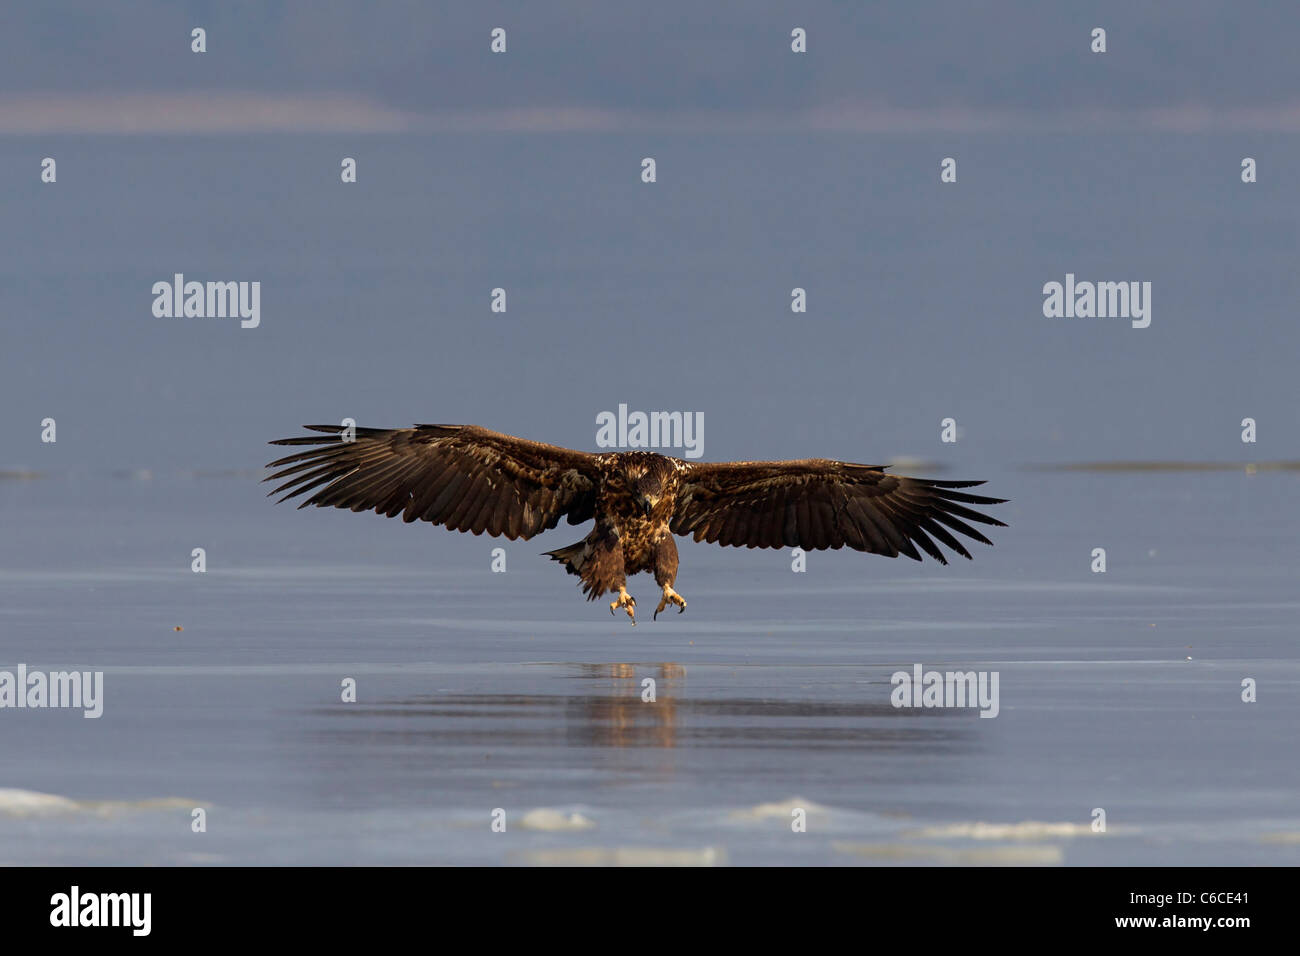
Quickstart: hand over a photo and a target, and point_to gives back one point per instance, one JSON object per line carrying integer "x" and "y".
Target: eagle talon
{"x": 625, "y": 601}
{"x": 670, "y": 596}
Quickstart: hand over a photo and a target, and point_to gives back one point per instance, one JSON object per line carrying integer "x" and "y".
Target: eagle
{"x": 469, "y": 478}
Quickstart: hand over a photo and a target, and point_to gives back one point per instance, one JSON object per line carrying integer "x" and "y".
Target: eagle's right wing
{"x": 461, "y": 476}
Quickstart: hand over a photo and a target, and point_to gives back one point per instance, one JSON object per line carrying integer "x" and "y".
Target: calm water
{"x": 479, "y": 691}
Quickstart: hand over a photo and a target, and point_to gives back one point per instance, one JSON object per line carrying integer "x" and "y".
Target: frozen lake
{"x": 478, "y": 691}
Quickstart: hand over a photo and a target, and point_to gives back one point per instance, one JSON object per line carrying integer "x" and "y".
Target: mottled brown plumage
{"x": 472, "y": 479}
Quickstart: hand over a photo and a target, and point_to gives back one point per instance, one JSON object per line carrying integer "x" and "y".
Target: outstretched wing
{"x": 815, "y": 504}
{"x": 462, "y": 476}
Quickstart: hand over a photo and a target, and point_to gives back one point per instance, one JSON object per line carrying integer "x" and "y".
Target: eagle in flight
{"x": 469, "y": 478}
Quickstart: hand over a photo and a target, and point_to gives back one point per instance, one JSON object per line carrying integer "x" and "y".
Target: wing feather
{"x": 817, "y": 504}
{"x": 461, "y": 476}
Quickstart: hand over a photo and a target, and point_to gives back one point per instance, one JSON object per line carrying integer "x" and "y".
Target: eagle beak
{"x": 647, "y": 505}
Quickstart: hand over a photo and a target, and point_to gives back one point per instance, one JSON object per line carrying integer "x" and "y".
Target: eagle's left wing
{"x": 815, "y": 504}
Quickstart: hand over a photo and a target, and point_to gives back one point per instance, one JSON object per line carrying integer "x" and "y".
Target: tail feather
{"x": 575, "y": 559}
{"x": 570, "y": 557}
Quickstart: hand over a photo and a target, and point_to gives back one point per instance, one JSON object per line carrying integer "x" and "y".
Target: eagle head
{"x": 649, "y": 482}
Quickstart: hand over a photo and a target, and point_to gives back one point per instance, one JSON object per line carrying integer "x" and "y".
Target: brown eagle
{"x": 473, "y": 479}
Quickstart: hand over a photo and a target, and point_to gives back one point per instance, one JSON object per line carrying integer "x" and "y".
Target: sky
{"x": 725, "y": 59}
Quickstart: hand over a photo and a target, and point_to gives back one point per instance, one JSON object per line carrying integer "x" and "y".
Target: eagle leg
{"x": 625, "y": 601}
{"x": 670, "y": 597}
{"x": 665, "y": 565}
